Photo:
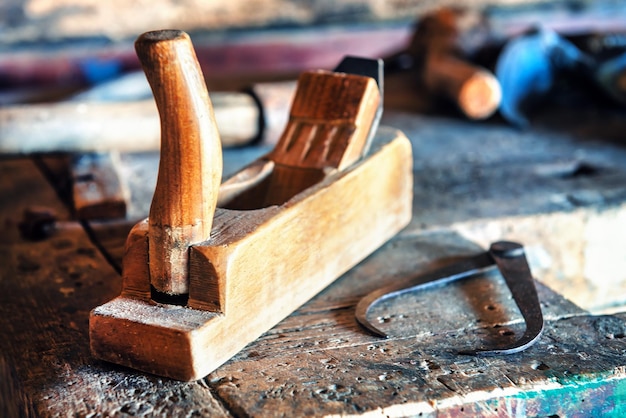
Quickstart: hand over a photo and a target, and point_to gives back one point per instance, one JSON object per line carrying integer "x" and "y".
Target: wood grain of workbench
{"x": 47, "y": 289}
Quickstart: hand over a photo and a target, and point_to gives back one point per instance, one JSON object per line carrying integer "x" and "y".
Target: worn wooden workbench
{"x": 559, "y": 188}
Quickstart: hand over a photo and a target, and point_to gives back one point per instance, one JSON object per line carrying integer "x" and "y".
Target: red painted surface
{"x": 261, "y": 53}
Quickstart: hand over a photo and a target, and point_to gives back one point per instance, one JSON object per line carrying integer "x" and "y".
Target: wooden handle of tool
{"x": 440, "y": 43}
{"x": 190, "y": 168}
{"x": 475, "y": 90}
{"x": 134, "y": 126}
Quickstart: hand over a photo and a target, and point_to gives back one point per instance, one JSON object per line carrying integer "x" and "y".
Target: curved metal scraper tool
{"x": 508, "y": 257}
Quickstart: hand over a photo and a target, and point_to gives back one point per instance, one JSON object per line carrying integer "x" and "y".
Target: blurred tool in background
{"x": 527, "y": 69}
{"x": 530, "y": 65}
{"x": 439, "y": 54}
{"x": 454, "y": 54}
{"x": 121, "y": 115}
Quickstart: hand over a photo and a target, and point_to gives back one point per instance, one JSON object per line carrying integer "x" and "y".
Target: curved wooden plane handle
{"x": 190, "y": 168}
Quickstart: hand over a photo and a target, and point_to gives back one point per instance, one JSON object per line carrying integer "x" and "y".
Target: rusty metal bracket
{"x": 508, "y": 257}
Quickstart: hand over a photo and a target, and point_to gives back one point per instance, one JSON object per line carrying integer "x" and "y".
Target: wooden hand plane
{"x": 214, "y": 267}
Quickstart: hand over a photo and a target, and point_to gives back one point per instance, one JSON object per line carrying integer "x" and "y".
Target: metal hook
{"x": 508, "y": 257}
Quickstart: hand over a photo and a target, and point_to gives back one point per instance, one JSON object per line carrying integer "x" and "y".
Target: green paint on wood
{"x": 604, "y": 396}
